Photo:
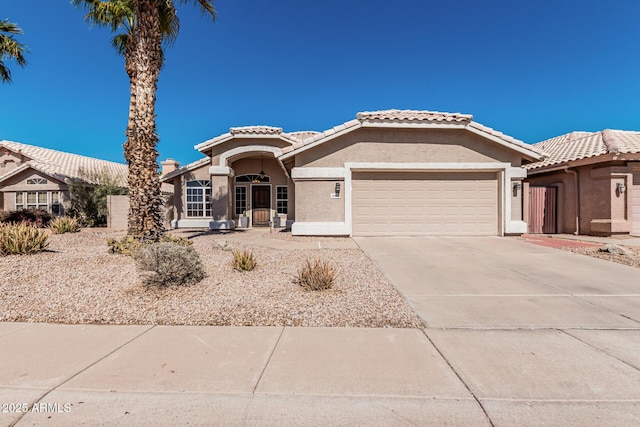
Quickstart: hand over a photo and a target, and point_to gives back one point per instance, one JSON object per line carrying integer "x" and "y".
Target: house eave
{"x": 603, "y": 158}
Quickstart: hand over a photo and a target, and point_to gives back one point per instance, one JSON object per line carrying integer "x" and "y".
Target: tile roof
{"x": 583, "y": 145}
{"x": 413, "y": 115}
{"x": 246, "y": 132}
{"x": 186, "y": 168}
{"x": 255, "y": 130}
{"x": 63, "y": 165}
{"x": 302, "y": 135}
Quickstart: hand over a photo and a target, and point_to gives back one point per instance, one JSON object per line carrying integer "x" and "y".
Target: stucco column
{"x": 220, "y": 198}
{"x": 513, "y": 190}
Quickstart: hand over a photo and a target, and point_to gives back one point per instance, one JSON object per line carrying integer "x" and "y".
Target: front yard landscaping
{"x": 76, "y": 280}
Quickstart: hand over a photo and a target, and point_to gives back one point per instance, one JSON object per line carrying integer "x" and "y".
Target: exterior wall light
{"x": 621, "y": 188}
{"x": 336, "y": 193}
{"x": 517, "y": 186}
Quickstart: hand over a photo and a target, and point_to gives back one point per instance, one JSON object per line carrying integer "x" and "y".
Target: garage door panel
{"x": 415, "y": 203}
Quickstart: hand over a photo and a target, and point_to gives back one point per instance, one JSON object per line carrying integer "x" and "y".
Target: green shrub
{"x": 88, "y": 195}
{"x": 315, "y": 276}
{"x": 129, "y": 245}
{"x": 166, "y": 264}
{"x": 64, "y": 224}
{"x": 36, "y": 217}
{"x": 243, "y": 260}
{"x": 18, "y": 239}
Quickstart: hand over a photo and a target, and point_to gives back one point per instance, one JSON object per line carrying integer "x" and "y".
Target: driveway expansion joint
{"x": 54, "y": 388}
{"x": 486, "y": 414}
{"x": 600, "y": 350}
{"x": 273, "y": 350}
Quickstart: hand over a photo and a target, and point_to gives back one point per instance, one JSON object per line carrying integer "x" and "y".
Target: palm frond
{"x": 5, "y": 74}
{"x": 169, "y": 21}
{"x": 10, "y": 49}
{"x": 206, "y": 7}
{"x": 112, "y": 14}
{"x": 119, "y": 43}
{"x": 9, "y": 27}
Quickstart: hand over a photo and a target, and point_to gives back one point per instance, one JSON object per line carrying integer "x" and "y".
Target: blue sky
{"x": 531, "y": 69}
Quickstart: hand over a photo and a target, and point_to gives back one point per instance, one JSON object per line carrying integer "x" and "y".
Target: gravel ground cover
{"x": 590, "y": 249}
{"x": 633, "y": 259}
{"x": 78, "y": 281}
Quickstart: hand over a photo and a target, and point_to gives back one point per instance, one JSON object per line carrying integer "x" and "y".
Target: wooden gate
{"x": 543, "y": 210}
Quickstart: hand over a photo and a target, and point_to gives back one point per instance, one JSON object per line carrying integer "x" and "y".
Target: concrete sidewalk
{"x": 173, "y": 375}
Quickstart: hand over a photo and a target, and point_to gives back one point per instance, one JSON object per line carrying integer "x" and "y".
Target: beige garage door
{"x": 425, "y": 203}
{"x": 635, "y": 207}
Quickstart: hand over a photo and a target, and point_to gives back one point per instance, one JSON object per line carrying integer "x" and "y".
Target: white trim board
{"x": 299, "y": 173}
{"x": 320, "y": 229}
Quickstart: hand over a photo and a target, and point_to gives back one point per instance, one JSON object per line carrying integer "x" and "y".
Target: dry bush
{"x": 315, "y": 276}
{"x": 129, "y": 245}
{"x": 167, "y": 264}
{"x": 243, "y": 260}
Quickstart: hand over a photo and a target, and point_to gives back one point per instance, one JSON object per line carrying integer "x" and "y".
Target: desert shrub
{"x": 169, "y": 238}
{"x": 129, "y": 245}
{"x": 36, "y": 217}
{"x": 64, "y": 224}
{"x": 315, "y": 276}
{"x": 243, "y": 260}
{"x": 18, "y": 239}
{"x": 166, "y": 264}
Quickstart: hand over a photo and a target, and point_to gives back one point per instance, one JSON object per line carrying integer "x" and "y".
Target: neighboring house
{"x": 393, "y": 172}
{"x": 35, "y": 177}
{"x": 589, "y": 184}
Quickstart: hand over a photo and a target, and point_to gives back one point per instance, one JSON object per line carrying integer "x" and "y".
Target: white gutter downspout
{"x": 577, "y": 198}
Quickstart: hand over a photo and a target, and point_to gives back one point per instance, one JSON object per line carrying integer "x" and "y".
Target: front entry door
{"x": 260, "y": 205}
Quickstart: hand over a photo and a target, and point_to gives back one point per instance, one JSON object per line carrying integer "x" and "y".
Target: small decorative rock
{"x": 615, "y": 249}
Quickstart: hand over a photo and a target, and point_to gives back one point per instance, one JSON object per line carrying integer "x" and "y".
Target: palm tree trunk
{"x": 130, "y": 68}
{"x": 145, "y": 197}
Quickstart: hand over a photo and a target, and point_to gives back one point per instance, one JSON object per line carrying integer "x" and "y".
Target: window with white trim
{"x": 282, "y": 199}
{"x": 32, "y": 200}
{"x": 198, "y": 196}
{"x": 241, "y": 200}
{"x": 46, "y": 200}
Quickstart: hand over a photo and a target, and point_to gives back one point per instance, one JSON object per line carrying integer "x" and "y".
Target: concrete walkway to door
{"x": 538, "y": 335}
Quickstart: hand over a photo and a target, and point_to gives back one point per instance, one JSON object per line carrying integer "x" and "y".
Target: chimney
{"x": 169, "y": 165}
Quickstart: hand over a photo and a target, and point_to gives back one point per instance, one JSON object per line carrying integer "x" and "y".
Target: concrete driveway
{"x": 538, "y": 335}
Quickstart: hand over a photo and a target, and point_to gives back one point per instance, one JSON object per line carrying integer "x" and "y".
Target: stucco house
{"x": 392, "y": 172}
{"x": 36, "y": 177}
{"x": 589, "y": 184}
